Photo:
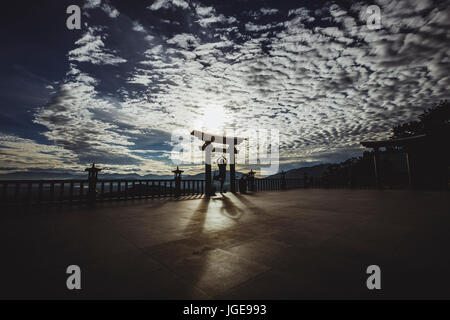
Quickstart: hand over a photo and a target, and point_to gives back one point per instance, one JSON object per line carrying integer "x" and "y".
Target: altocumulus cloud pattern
{"x": 138, "y": 70}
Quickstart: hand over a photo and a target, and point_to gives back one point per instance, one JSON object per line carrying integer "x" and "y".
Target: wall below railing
{"x": 280, "y": 184}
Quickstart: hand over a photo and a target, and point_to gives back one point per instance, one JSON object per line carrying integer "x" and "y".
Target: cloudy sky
{"x": 114, "y": 91}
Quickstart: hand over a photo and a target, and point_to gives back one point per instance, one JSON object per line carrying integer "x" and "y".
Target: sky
{"x": 116, "y": 90}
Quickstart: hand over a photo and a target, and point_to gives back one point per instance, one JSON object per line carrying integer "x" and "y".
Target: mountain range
{"x": 314, "y": 171}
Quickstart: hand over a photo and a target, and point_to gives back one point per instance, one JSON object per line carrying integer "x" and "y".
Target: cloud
{"x": 184, "y": 41}
{"x": 207, "y": 16}
{"x": 91, "y": 48}
{"x": 269, "y": 11}
{"x": 111, "y": 11}
{"x": 166, "y": 4}
{"x": 325, "y": 88}
{"x": 105, "y": 7}
{"x": 93, "y": 133}
{"x": 91, "y": 4}
{"x": 20, "y": 154}
{"x": 138, "y": 27}
{"x": 319, "y": 76}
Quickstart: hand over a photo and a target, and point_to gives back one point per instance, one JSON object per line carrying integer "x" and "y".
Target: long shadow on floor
{"x": 249, "y": 205}
{"x": 229, "y": 209}
{"x": 197, "y": 220}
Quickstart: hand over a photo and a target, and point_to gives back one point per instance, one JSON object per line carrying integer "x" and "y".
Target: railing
{"x": 282, "y": 184}
{"x": 67, "y": 191}
{"x": 42, "y": 191}
{"x": 137, "y": 189}
{"x": 266, "y": 184}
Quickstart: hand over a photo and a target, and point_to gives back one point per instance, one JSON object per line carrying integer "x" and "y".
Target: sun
{"x": 214, "y": 118}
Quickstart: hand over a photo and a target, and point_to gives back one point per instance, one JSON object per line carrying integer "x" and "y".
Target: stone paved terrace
{"x": 282, "y": 245}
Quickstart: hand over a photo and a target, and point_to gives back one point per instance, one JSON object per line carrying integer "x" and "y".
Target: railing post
{"x": 102, "y": 192}
{"x": 159, "y": 188}
{"x": 52, "y": 191}
{"x": 153, "y": 189}
{"x": 5, "y": 191}
{"x": 81, "y": 193}
{"x": 71, "y": 191}
{"x": 305, "y": 180}
{"x": 61, "y": 192}
{"x": 29, "y": 192}
{"x": 40, "y": 192}
{"x": 376, "y": 166}
{"x": 17, "y": 192}
{"x": 283, "y": 180}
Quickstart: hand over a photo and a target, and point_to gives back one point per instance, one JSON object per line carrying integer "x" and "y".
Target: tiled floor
{"x": 280, "y": 245}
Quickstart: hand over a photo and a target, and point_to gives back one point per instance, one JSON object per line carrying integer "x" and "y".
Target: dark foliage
{"x": 359, "y": 172}
{"x": 434, "y": 120}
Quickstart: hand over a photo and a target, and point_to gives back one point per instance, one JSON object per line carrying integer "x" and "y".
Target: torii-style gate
{"x": 208, "y": 148}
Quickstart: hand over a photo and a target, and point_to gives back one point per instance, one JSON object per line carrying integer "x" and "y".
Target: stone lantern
{"x": 92, "y": 181}
{"x": 177, "y": 177}
{"x": 251, "y": 180}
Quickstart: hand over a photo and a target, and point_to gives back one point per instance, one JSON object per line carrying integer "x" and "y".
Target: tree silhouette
{"x": 435, "y": 120}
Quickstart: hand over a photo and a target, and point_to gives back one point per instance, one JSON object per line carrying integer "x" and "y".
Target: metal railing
{"x": 137, "y": 189}
{"x": 69, "y": 191}
{"x": 66, "y": 191}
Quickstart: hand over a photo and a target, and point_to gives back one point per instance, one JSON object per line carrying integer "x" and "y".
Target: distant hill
{"x": 314, "y": 171}
{"x": 40, "y": 175}
{"x": 47, "y": 175}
